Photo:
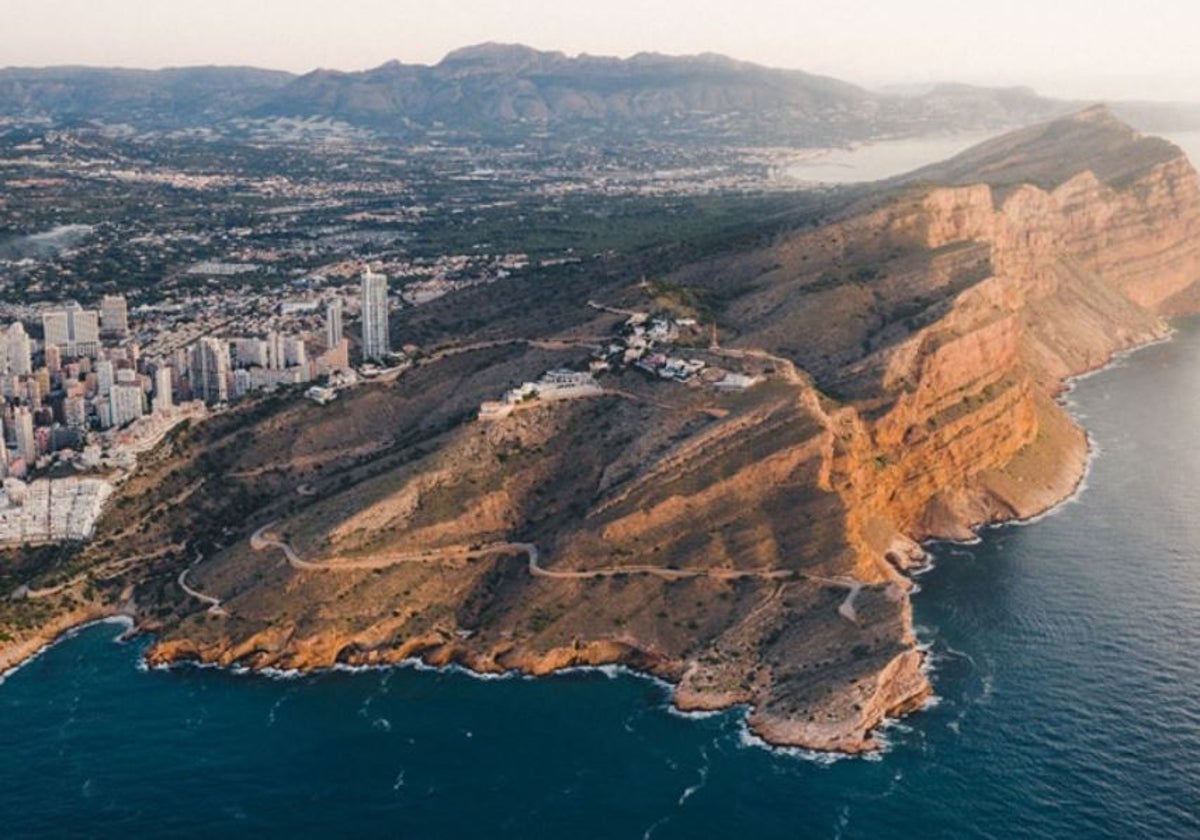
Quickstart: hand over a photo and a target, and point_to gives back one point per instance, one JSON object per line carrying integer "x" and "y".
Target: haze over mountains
{"x": 498, "y": 89}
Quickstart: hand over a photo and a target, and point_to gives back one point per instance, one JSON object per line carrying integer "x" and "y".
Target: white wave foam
{"x": 748, "y": 740}
{"x": 699, "y": 714}
{"x": 692, "y": 790}
{"x": 282, "y": 673}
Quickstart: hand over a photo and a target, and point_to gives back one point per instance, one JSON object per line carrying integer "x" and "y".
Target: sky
{"x": 1095, "y": 49}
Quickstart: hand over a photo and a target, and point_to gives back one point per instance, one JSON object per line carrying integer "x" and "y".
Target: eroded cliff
{"x": 748, "y": 547}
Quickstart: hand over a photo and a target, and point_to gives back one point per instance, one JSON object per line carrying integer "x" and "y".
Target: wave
{"x": 692, "y": 790}
{"x": 748, "y": 740}
{"x": 698, "y": 714}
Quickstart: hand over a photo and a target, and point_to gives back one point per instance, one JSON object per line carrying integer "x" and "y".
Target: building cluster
{"x": 644, "y": 342}
{"x": 559, "y": 384}
{"x": 48, "y": 510}
{"x": 217, "y": 370}
{"x": 86, "y": 373}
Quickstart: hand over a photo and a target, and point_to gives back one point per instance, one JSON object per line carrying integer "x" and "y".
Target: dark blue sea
{"x": 1066, "y": 659}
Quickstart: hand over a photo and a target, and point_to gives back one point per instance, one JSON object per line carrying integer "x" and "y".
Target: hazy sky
{"x": 1085, "y": 48}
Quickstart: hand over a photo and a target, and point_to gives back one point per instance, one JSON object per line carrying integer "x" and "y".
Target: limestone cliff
{"x": 749, "y": 547}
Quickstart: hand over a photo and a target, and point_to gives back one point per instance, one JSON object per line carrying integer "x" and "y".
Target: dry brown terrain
{"x": 912, "y": 348}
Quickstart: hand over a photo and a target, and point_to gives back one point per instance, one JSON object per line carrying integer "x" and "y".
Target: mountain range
{"x": 500, "y": 89}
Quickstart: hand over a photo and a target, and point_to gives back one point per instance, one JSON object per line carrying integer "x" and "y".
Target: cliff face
{"x": 952, "y": 317}
{"x": 749, "y": 547}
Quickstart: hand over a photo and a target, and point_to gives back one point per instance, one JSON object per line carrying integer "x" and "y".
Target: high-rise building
{"x": 250, "y": 352}
{"x": 294, "y": 352}
{"x": 75, "y": 412}
{"x": 114, "y": 315}
{"x": 276, "y": 351}
{"x": 74, "y": 330}
{"x": 53, "y": 359}
{"x": 105, "y": 377}
{"x": 26, "y": 441}
{"x": 15, "y": 352}
{"x": 376, "y": 343}
{"x": 57, "y": 331}
{"x": 333, "y": 323}
{"x": 242, "y": 382}
{"x": 32, "y": 392}
{"x": 163, "y": 390}
{"x": 126, "y": 401}
{"x": 208, "y": 370}
{"x": 85, "y": 331}
{"x": 3, "y": 452}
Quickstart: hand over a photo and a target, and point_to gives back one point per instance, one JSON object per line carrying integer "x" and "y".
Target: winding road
{"x": 262, "y": 540}
{"x": 214, "y": 604}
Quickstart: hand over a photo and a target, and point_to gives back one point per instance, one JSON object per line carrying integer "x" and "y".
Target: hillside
{"x": 750, "y": 545}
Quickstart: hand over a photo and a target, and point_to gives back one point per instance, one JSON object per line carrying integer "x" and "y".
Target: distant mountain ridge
{"x": 491, "y": 87}
{"x": 507, "y": 89}
{"x": 147, "y": 98}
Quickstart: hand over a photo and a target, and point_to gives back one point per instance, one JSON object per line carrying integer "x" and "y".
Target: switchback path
{"x": 214, "y": 604}
{"x": 262, "y": 540}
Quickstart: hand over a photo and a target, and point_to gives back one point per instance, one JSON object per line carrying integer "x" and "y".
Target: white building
{"x": 241, "y": 382}
{"x": 276, "y": 351}
{"x": 26, "y": 441}
{"x": 294, "y": 352}
{"x": 15, "y": 351}
{"x": 164, "y": 399}
{"x": 376, "y": 342}
{"x": 333, "y": 323}
{"x": 105, "y": 377}
{"x": 74, "y": 330}
{"x": 56, "y": 330}
{"x": 126, "y": 402}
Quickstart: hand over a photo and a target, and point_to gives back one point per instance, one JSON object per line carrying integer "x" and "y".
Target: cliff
{"x": 748, "y": 546}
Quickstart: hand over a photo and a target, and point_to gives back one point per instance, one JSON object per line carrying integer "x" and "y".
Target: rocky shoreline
{"x": 752, "y": 549}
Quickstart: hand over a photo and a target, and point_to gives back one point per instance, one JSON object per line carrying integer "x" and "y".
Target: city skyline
{"x": 1070, "y": 49}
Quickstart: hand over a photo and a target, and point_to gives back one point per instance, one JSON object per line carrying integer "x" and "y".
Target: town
{"x": 98, "y": 388}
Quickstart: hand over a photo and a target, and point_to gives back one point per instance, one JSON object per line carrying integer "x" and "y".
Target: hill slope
{"x": 749, "y": 547}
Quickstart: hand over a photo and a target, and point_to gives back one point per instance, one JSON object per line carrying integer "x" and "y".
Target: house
{"x": 494, "y": 410}
{"x": 737, "y": 382}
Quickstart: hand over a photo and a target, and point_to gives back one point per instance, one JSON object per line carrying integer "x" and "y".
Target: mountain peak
{"x": 495, "y": 53}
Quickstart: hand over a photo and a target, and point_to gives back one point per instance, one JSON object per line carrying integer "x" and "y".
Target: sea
{"x": 888, "y": 158}
{"x": 1064, "y": 652}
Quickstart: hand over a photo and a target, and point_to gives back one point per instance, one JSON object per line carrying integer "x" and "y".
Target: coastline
{"x": 447, "y": 658}
{"x": 47, "y": 641}
{"x": 1093, "y": 451}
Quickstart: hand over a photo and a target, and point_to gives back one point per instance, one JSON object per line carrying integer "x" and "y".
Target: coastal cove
{"x": 1061, "y": 654}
